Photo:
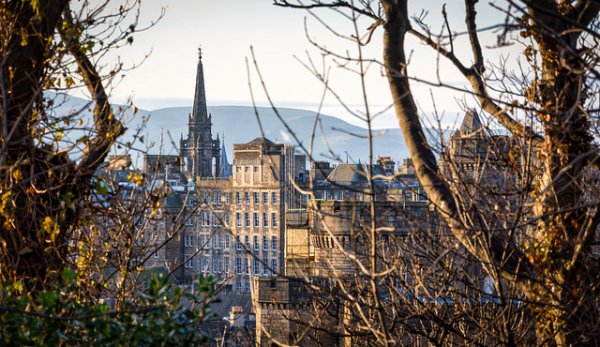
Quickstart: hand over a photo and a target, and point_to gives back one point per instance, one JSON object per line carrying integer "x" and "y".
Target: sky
{"x": 226, "y": 29}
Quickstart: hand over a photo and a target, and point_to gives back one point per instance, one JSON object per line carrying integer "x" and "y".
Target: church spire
{"x": 199, "y": 109}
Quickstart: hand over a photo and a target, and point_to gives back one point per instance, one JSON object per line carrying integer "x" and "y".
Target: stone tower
{"x": 200, "y": 152}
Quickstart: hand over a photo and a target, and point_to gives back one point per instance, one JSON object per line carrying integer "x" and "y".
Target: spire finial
{"x": 199, "y": 52}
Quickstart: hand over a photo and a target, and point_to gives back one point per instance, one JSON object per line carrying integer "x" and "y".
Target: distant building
{"x": 201, "y": 153}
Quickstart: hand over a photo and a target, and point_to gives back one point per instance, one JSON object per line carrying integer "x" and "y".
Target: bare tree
{"x": 520, "y": 214}
{"x": 49, "y": 160}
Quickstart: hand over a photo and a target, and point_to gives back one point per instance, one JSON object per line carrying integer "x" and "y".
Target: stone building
{"x": 201, "y": 153}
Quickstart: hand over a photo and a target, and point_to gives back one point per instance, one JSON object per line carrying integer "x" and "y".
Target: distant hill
{"x": 334, "y": 137}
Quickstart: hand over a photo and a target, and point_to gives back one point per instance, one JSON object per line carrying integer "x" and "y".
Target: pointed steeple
{"x": 199, "y": 109}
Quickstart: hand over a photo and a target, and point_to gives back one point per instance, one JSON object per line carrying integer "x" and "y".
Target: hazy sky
{"x": 227, "y": 28}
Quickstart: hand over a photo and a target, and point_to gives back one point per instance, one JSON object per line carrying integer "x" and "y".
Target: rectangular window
{"x": 265, "y": 220}
{"x": 188, "y": 240}
{"x": 238, "y": 266}
{"x": 265, "y": 199}
{"x": 247, "y": 219}
{"x": 256, "y": 169}
{"x": 274, "y": 243}
{"x": 274, "y": 220}
{"x": 214, "y": 242}
{"x": 265, "y": 243}
{"x": 214, "y": 265}
{"x": 226, "y": 219}
{"x": 247, "y": 198}
{"x": 219, "y": 241}
{"x": 265, "y": 266}
{"x": 228, "y": 198}
{"x": 220, "y": 266}
{"x": 206, "y": 218}
{"x": 238, "y": 244}
{"x": 256, "y": 222}
{"x": 256, "y": 198}
{"x": 227, "y": 241}
{"x": 215, "y": 219}
{"x": 274, "y": 198}
{"x": 247, "y": 239}
{"x": 217, "y": 197}
{"x": 201, "y": 241}
{"x": 274, "y": 266}
{"x": 238, "y": 198}
{"x": 256, "y": 243}
{"x": 256, "y": 266}
{"x": 226, "y": 265}
{"x": 189, "y": 263}
{"x": 238, "y": 219}
{"x": 238, "y": 286}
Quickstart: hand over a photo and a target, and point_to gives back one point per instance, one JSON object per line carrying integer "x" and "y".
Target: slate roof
{"x": 260, "y": 140}
{"x": 471, "y": 123}
{"x": 347, "y": 173}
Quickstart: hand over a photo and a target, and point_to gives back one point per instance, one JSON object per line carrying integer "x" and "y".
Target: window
{"x": 238, "y": 286}
{"x": 201, "y": 241}
{"x": 274, "y": 198}
{"x": 227, "y": 241}
{"x": 247, "y": 198}
{"x": 256, "y": 169}
{"x": 247, "y": 219}
{"x": 265, "y": 266}
{"x": 206, "y": 218}
{"x": 247, "y": 239}
{"x": 220, "y": 266}
{"x": 214, "y": 265}
{"x": 265, "y": 199}
{"x": 188, "y": 240}
{"x": 274, "y": 243}
{"x": 256, "y": 243}
{"x": 256, "y": 198}
{"x": 237, "y": 169}
{"x": 265, "y": 243}
{"x": 226, "y": 218}
{"x": 204, "y": 264}
{"x": 238, "y": 267}
{"x": 238, "y": 219}
{"x": 256, "y": 222}
{"x": 214, "y": 239}
{"x": 228, "y": 198}
{"x": 217, "y": 197}
{"x": 256, "y": 266}
{"x": 238, "y": 198}
{"x": 274, "y": 266}
{"x": 215, "y": 219}
{"x": 226, "y": 265}
{"x": 274, "y": 220}
{"x": 246, "y": 168}
{"x": 219, "y": 241}
{"x": 265, "y": 220}
{"x": 189, "y": 263}
{"x": 238, "y": 244}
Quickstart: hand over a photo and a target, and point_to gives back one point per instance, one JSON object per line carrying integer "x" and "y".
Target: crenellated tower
{"x": 200, "y": 153}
